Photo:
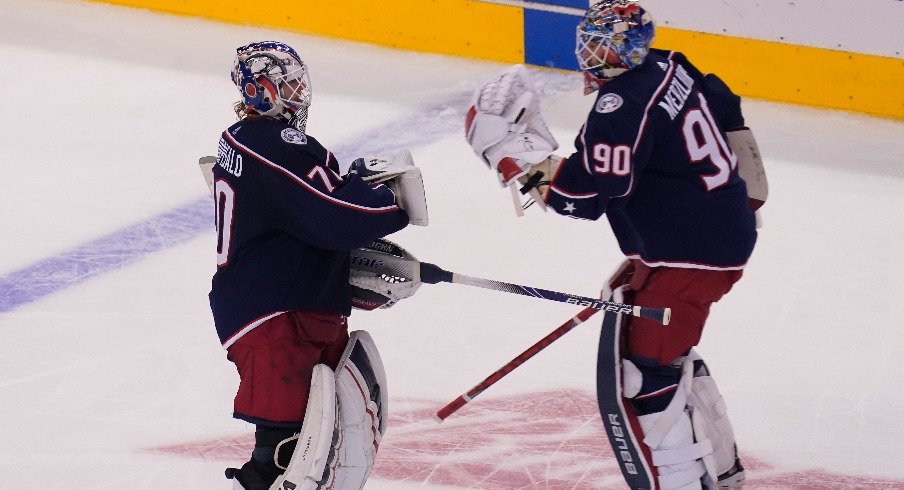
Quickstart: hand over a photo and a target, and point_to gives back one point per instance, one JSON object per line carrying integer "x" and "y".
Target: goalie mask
{"x": 613, "y": 37}
{"x": 382, "y": 274}
{"x": 273, "y": 82}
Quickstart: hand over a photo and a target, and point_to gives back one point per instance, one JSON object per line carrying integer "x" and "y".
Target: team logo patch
{"x": 609, "y": 103}
{"x": 294, "y": 136}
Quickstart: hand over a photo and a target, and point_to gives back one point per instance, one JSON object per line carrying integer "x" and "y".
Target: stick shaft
{"x": 661, "y": 315}
{"x": 543, "y": 343}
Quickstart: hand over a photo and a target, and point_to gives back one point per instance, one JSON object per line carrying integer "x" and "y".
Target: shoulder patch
{"x": 662, "y": 65}
{"x": 608, "y": 103}
{"x": 294, "y": 136}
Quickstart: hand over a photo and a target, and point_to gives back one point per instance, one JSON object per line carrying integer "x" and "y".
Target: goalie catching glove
{"x": 397, "y": 171}
{"x": 505, "y": 128}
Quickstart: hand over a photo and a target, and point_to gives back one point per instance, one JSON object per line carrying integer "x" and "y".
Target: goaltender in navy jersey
{"x": 653, "y": 156}
{"x": 286, "y": 221}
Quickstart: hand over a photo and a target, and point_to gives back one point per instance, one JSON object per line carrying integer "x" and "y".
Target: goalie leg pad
{"x": 363, "y": 409}
{"x": 316, "y": 451}
{"x": 680, "y": 459}
{"x": 691, "y": 439}
{"x": 619, "y": 418}
{"x": 712, "y": 422}
{"x": 665, "y": 434}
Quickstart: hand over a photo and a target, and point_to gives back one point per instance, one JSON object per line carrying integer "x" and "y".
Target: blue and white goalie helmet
{"x": 273, "y": 81}
{"x": 613, "y": 37}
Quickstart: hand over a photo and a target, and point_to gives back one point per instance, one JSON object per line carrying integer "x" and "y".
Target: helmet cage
{"x": 613, "y": 37}
{"x": 273, "y": 81}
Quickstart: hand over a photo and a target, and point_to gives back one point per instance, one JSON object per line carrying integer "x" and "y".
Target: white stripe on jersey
{"x": 646, "y": 113}
{"x": 688, "y": 265}
{"x": 297, "y": 179}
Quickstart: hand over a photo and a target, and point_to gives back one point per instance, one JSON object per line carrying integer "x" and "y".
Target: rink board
{"x": 542, "y": 34}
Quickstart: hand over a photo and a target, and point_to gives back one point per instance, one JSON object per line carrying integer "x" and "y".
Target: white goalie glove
{"x": 398, "y": 171}
{"x": 505, "y": 128}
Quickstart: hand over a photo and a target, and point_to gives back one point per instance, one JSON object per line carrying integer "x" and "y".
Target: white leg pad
{"x": 318, "y": 439}
{"x": 711, "y": 422}
{"x": 677, "y": 456}
{"x": 363, "y": 410}
{"x": 692, "y": 438}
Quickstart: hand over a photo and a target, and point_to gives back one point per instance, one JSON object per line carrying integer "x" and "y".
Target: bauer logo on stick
{"x": 601, "y": 305}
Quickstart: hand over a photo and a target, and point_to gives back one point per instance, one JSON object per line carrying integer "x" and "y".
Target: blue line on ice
{"x": 179, "y": 225}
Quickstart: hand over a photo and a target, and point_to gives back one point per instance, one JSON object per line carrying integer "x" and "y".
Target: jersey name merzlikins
{"x": 653, "y": 157}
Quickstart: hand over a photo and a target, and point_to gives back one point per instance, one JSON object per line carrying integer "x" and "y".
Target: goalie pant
{"x": 344, "y": 422}
{"x": 686, "y": 443}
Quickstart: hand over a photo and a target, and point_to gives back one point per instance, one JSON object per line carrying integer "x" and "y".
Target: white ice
{"x": 106, "y": 111}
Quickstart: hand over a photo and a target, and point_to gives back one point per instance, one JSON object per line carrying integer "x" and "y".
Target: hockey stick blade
{"x": 433, "y": 274}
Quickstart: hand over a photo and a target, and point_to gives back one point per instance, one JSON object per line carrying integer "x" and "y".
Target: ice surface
{"x": 111, "y": 375}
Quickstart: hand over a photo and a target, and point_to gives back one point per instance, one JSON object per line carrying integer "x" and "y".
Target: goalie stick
{"x": 432, "y": 274}
{"x": 391, "y": 265}
{"x": 382, "y": 260}
{"x": 453, "y": 406}
{"x": 379, "y": 260}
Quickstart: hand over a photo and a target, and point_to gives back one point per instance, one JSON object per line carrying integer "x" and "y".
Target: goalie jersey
{"x": 654, "y": 158}
{"x": 286, "y": 221}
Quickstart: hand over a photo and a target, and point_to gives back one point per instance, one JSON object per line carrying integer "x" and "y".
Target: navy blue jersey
{"x": 286, "y": 221}
{"x": 654, "y": 158}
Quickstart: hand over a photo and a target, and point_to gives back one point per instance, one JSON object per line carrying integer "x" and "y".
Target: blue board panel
{"x": 549, "y": 39}
{"x": 580, "y": 4}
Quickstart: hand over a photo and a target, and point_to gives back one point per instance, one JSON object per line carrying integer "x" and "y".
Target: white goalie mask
{"x": 613, "y": 37}
{"x": 273, "y": 81}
